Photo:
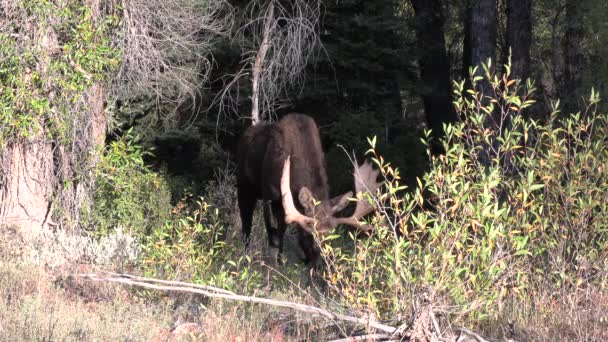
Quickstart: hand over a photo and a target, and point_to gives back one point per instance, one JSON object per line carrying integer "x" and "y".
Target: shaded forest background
{"x": 169, "y": 88}
{"x": 382, "y": 68}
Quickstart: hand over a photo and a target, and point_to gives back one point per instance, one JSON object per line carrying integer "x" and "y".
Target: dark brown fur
{"x": 261, "y": 153}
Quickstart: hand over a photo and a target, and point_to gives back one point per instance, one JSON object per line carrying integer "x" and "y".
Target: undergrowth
{"x": 507, "y": 225}
{"x": 129, "y": 196}
{"x": 513, "y": 213}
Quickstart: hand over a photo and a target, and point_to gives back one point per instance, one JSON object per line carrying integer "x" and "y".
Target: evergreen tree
{"x": 354, "y": 87}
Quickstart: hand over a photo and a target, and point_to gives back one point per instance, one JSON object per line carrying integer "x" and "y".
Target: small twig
{"x": 363, "y": 338}
{"x": 434, "y": 321}
{"x": 471, "y": 334}
{"x": 219, "y": 293}
{"x": 399, "y": 331}
{"x": 470, "y": 309}
{"x": 83, "y": 72}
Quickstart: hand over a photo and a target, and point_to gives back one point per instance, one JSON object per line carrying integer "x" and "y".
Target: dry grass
{"x": 42, "y": 306}
{"x": 35, "y": 305}
{"x": 225, "y": 322}
{"x": 576, "y": 315}
{"x": 39, "y": 300}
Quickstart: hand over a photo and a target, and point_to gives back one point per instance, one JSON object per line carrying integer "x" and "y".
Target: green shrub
{"x": 41, "y": 84}
{"x": 128, "y": 194}
{"x": 504, "y": 213}
{"x": 192, "y": 247}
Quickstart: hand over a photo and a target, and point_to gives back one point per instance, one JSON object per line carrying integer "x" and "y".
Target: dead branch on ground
{"x": 213, "y": 292}
{"x": 424, "y": 326}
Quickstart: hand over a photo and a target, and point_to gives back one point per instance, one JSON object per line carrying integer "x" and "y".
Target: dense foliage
{"x": 121, "y": 103}
{"x": 129, "y": 195}
{"x": 41, "y": 85}
{"x": 484, "y": 236}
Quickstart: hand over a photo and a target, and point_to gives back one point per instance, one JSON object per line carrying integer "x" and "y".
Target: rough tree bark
{"x": 519, "y": 37}
{"x": 26, "y": 180}
{"x": 434, "y": 68}
{"x": 481, "y": 30}
{"x": 31, "y": 169}
{"x": 574, "y": 60}
{"x": 479, "y": 46}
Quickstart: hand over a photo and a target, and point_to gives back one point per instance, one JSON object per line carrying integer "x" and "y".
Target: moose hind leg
{"x": 246, "y": 208}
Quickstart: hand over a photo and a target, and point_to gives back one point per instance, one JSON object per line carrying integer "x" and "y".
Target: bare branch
{"x": 258, "y": 66}
{"x": 285, "y": 37}
{"x": 468, "y": 335}
{"x": 170, "y": 282}
{"x": 370, "y": 337}
{"x": 212, "y": 292}
{"x": 166, "y": 46}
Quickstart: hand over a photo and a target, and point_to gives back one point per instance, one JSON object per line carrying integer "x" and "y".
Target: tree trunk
{"x": 519, "y": 37}
{"x": 573, "y": 56}
{"x": 482, "y": 37}
{"x": 258, "y": 67}
{"x": 26, "y": 174}
{"x": 551, "y": 85}
{"x": 466, "y": 44}
{"x": 434, "y": 68}
{"x": 33, "y": 169}
{"x": 26, "y": 180}
{"x": 480, "y": 45}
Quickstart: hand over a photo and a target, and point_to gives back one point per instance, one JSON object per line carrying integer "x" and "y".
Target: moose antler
{"x": 292, "y": 214}
{"x": 365, "y": 181}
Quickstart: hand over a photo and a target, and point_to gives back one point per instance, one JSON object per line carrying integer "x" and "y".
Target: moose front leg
{"x": 270, "y": 222}
{"x": 309, "y": 246}
{"x": 274, "y": 218}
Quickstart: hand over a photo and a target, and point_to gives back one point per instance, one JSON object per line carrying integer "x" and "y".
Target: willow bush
{"x": 191, "y": 246}
{"x": 129, "y": 195}
{"x": 514, "y": 206}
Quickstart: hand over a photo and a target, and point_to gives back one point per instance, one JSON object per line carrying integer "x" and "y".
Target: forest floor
{"x": 42, "y": 299}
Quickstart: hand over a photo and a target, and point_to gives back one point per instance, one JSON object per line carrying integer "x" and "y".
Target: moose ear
{"x": 306, "y": 199}
{"x": 340, "y": 202}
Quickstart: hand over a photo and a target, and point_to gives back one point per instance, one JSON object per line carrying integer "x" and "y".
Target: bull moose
{"x": 278, "y": 159}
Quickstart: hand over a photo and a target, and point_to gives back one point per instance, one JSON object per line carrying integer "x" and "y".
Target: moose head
{"x": 320, "y": 216}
